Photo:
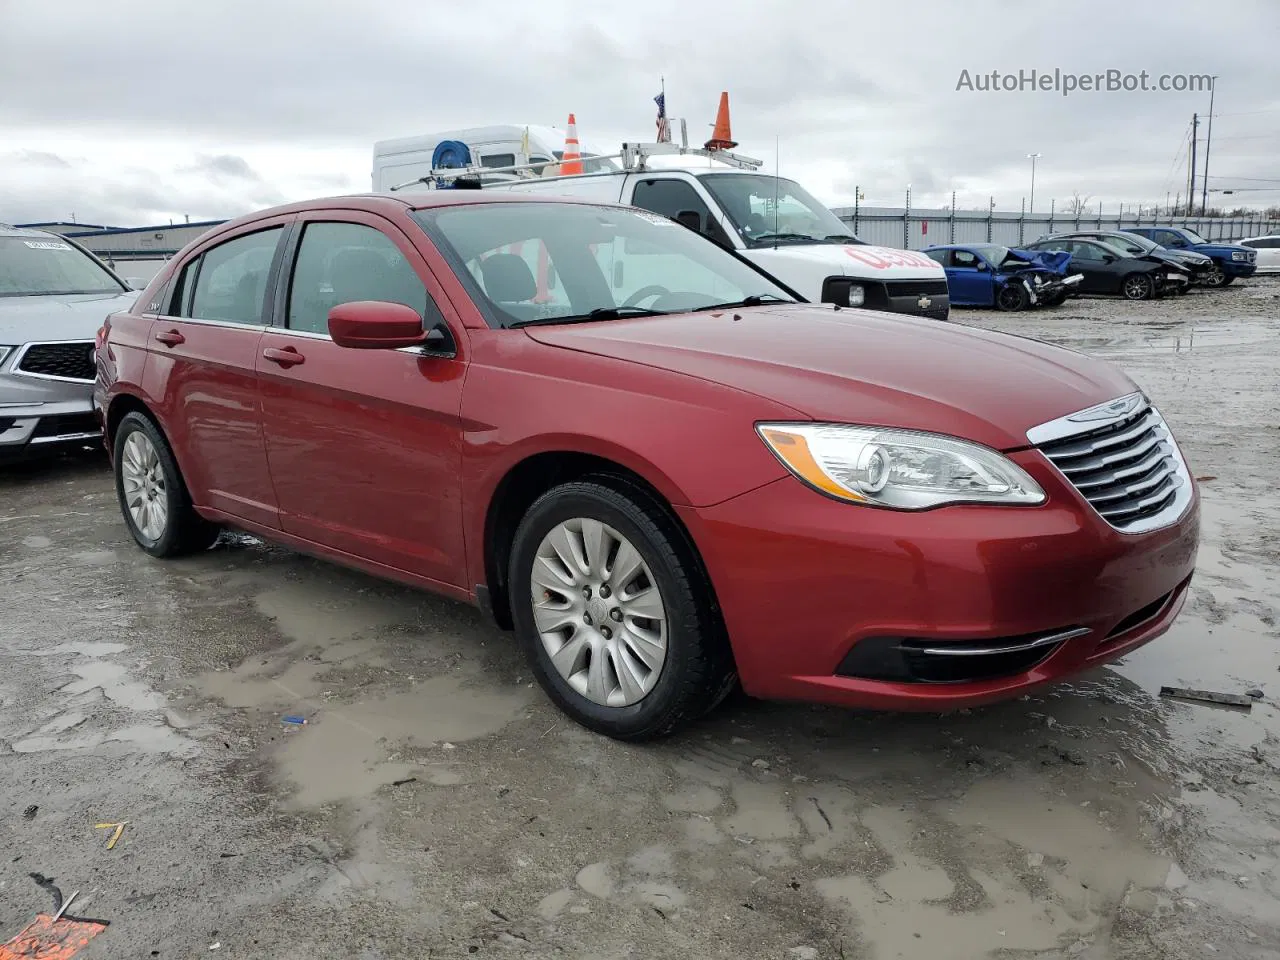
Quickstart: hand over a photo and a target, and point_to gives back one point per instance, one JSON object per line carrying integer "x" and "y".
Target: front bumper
{"x": 41, "y": 414}
{"x": 803, "y": 581}
{"x": 1238, "y": 268}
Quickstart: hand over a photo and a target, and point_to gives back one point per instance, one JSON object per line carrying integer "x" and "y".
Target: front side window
{"x": 345, "y": 262}
{"x": 42, "y": 266}
{"x": 602, "y": 262}
{"x": 767, "y": 210}
{"x": 231, "y": 280}
{"x": 963, "y": 258}
{"x": 1086, "y": 251}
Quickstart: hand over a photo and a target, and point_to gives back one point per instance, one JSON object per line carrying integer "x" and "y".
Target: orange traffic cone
{"x": 572, "y": 161}
{"x": 721, "y": 137}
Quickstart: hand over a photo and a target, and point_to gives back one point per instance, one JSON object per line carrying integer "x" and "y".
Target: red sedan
{"x": 651, "y": 460}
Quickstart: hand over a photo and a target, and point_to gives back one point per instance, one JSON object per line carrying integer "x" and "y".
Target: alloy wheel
{"x": 145, "y": 492}
{"x": 599, "y": 612}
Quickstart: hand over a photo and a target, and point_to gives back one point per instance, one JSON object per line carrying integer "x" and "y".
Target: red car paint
{"x": 391, "y": 462}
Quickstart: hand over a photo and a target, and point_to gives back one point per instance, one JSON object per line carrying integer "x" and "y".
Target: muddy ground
{"x": 435, "y": 804}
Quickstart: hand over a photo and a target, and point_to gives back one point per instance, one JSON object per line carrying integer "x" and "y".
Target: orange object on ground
{"x": 571, "y": 162}
{"x": 721, "y": 136}
{"x": 49, "y": 939}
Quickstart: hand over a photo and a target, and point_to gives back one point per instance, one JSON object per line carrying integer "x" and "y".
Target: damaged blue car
{"x": 990, "y": 275}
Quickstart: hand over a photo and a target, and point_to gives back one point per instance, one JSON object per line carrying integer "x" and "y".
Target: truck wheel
{"x": 1012, "y": 297}
{"x": 614, "y": 612}
{"x": 1215, "y": 277}
{"x": 153, "y": 496}
{"x": 1138, "y": 286}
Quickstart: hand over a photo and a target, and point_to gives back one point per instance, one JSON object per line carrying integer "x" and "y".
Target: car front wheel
{"x": 1215, "y": 277}
{"x": 1138, "y": 286}
{"x": 613, "y": 611}
{"x": 153, "y": 496}
{"x": 1012, "y": 297}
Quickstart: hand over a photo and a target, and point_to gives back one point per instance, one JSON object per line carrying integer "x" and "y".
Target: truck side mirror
{"x": 691, "y": 219}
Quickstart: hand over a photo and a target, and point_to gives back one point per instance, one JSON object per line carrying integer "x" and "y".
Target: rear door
{"x": 202, "y": 372}
{"x": 364, "y": 445}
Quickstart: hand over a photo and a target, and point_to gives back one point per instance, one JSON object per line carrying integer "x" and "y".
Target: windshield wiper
{"x": 755, "y": 300}
{"x": 771, "y": 237}
{"x": 843, "y": 238}
{"x": 599, "y": 313}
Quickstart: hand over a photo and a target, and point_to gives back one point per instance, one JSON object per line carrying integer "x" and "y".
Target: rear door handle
{"x": 285, "y": 356}
{"x": 171, "y": 338}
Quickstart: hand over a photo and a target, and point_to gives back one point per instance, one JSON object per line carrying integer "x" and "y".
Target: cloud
{"x": 218, "y": 108}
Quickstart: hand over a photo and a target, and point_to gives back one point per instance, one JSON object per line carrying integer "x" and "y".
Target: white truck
{"x": 771, "y": 221}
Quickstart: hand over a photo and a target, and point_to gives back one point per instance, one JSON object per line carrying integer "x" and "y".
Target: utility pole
{"x": 1033, "y": 157}
{"x": 1191, "y": 186}
{"x": 1204, "y": 192}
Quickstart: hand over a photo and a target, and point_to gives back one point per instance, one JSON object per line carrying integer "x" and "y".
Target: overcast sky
{"x": 132, "y": 112}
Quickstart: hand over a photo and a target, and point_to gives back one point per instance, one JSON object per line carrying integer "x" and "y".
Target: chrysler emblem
{"x": 924, "y": 303}
{"x": 1108, "y": 410}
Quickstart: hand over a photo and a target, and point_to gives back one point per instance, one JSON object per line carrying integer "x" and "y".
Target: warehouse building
{"x": 130, "y": 251}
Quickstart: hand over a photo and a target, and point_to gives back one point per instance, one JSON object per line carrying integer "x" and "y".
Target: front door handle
{"x": 285, "y": 356}
{"x": 170, "y": 338}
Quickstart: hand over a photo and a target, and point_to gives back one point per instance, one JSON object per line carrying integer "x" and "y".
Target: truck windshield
{"x": 767, "y": 210}
{"x": 1193, "y": 236}
{"x": 37, "y": 265}
{"x": 529, "y": 262}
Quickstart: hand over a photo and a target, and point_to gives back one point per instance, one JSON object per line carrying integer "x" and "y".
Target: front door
{"x": 364, "y": 445}
{"x": 202, "y": 373}
{"x": 969, "y": 279}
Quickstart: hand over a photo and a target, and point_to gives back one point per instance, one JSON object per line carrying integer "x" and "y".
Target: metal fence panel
{"x": 919, "y": 228}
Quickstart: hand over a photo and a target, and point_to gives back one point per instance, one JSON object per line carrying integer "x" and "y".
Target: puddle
{"x": 348, "y": 752}
{"x": 309, "y": 611}
{"x": 1147, "y": 341}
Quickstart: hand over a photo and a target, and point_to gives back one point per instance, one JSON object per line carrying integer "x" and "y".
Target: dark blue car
{"x": 989, "y": 275}
{"x": 1230, "y": 260}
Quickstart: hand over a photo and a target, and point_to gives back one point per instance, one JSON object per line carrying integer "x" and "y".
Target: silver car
{"x": 54, "y": 295}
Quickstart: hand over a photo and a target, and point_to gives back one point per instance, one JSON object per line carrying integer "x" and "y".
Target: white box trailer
{"x": 771, "y": 221}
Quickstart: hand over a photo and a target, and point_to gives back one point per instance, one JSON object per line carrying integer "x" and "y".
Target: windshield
{"x": 539, "y": 262}
{"x": 767, "y": 210}
{"x": 35, "y": 266}
{"x": 1193, "y": 236}
{"x": 992, "y": 252}
{"x": 1132, "y": 243}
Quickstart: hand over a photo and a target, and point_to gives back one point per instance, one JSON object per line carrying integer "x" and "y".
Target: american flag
{"x": 664, "y": 131}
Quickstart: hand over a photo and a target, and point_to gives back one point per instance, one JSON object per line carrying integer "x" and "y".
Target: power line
{"x": 1250, "y": 179}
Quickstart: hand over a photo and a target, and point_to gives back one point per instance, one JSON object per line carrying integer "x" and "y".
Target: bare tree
{"x": 1078, "y": 205}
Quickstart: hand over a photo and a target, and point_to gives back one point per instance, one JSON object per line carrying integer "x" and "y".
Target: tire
{"x": 144, "y": 464}
{"x": 1227, "y": 281}
{"x": 1012, "y": 297}
{"x": 696, "y": 671}
{"x": 1215, "y": 277}
{"x": 1137, "y": 286}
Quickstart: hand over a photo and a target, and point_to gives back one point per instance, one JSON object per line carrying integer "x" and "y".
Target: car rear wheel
{"x": 1012, "y": 296}
{"x": 153, "y": 496}
{"x": 1138, "y": 286}
{"x": 613, "y": 611}
{"x": 1215, "y": 277}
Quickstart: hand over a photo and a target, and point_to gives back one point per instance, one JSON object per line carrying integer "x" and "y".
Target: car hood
{"x": 63, "y": 317}
{"x": 858, "y": 366}
{"x": 1054, "y": 261}
{"x": 1189, "y": 257}
{"x": 1220, "y": 249}
{"x": 852, "y": 260}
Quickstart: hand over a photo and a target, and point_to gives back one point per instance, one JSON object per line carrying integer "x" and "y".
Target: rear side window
{"x": 231, "y": 278}
{"x": 344, "y": 262}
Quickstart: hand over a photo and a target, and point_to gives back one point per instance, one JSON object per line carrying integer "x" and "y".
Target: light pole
{"x": 1033, "y": 157}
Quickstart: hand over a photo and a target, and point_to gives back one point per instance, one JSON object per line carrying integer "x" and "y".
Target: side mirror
{"x": 375, "y": 325}
{"x": 1109, "y": 258}
{"x": 981, "y": 265}
{"x": 691, "y": 219}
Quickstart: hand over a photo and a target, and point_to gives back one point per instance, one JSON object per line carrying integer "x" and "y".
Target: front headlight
{"x": 857, "y": 295}
{"x": 902, "y": 469}
{"x": 1239, "y": 255}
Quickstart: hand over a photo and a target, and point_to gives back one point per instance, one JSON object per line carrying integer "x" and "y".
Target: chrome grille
{"x": 1126, "y": 464}
{"x": 62, "y": 361}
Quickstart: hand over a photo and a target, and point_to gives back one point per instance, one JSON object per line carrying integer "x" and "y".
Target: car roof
{"x": 398, "y": 202}
{"x": 8, "y": 230}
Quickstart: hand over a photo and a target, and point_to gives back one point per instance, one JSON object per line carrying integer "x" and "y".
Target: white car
{"x": 1268, "y": 252}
